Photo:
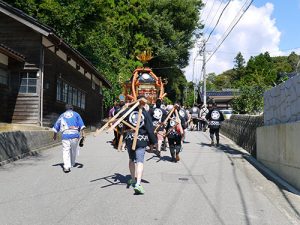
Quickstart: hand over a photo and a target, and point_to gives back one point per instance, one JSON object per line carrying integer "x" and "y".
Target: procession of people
{"x": 140, "y": 128}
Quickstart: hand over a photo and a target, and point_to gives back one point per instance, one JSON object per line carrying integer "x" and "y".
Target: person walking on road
{"x": 175, "y": 134}
{"x": 136, "y": 157}
{"x": 215, "y": 117}
{"x": 195, "y": 111}
{"x": 158, "y": 116}
{"x": 71, "y": 125}
{"x": 203, "y": 122}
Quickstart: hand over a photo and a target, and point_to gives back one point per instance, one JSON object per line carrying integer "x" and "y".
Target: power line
{"x": 209, "y": 11}
{"x": 218, "y": 20}
{"x": 228, "y": 32}
{"x": 207, "y": 26}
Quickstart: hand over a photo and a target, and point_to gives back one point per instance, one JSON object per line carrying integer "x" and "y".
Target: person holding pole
{"x": 137, "y": 141}
{"x": 175, "y": 133}
{"x": 158, "y": 116}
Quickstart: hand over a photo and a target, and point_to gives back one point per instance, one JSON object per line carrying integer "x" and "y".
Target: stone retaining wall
{"x": 242, "y": 130}
{"x": 282, "y": 103}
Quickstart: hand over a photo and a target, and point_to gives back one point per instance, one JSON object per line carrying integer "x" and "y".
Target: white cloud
{"x": 256, "y": 32}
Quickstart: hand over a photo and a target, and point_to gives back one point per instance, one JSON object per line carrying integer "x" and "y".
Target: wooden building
{"x": 40, "y": 73}
{"x": 222, "y": 98}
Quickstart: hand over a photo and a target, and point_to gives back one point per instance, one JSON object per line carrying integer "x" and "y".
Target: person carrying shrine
{"x": 145, "y": 137}
{"x": 175, "y": 134}
{"x": 195, "y": 111}
{"x": 158, "y": 115}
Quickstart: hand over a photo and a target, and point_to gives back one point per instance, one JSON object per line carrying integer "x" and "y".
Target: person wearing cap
{"x": 71, "y": 125}
{"x": 214, "y": 117}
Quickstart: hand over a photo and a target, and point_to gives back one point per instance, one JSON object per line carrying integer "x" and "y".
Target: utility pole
{"x": 204, "y": 73}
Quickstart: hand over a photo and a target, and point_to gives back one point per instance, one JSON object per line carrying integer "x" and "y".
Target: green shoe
{"x": 138, "y": 189}
{"x": 131, "y": 182}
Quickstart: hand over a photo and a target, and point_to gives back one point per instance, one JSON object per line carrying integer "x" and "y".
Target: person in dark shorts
{"x": 145, "y": 137}
{"x": 158, "y": 116}
{"x": 214, "y": 117}
{"x": 175, "y": 134}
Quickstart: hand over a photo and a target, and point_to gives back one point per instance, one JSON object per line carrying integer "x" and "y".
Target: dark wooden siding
{"x": 20, "y": 108}
{"x": 20, "y": 38}
{"x": 14, "y": 106}
{"x": 56, "y": 68}
{"x": 26, "y": 110}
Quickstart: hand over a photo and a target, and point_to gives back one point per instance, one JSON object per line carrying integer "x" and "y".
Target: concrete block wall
{"x": 282, "y": 103}
{"x": 278, "y": 149}
{"x": 17, "y": 144}
{"x": 278, "y": 141}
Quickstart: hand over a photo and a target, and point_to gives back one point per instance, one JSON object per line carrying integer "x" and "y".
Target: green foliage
{"x": 260, "y": 73}
{"x": 110, "y": 33}
{"x": 249, "y": 101}
{"x": 167, "y": 101}
{"x": 189, "y": 95}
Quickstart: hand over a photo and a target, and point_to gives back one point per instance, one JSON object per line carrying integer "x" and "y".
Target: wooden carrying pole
{"x": 140, "y": 103}
{"x": 136, "y": 132}
{"x": 165, "y": 121}
{"x": 107, "y": 124}
{"x": 124, "y": 116}
{"x": 177, "y": 120}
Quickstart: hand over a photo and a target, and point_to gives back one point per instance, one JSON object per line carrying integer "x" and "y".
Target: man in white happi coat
{"x": 71, "y": 126}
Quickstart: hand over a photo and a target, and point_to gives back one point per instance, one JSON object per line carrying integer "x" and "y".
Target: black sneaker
{"x": 66, "y": 170}
{"x": 157, "y": 153}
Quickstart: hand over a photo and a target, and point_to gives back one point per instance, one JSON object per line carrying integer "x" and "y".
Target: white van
{"x": 227, "y": 113}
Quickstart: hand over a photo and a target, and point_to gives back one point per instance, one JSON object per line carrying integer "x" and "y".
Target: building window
{"x": 93, "y": 85}
{"x": 28, "y": 82}
{"x": 100, "y": 88}
{"x": 3, "y": 77}
{"x": 68, "y": 94}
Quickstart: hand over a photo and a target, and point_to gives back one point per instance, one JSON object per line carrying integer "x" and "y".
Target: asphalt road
{"x": 208, "y": 186}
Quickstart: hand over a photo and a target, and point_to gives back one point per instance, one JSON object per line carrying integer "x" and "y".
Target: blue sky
{"x": 271, "y": 26}
{"x": 287, "y": 16}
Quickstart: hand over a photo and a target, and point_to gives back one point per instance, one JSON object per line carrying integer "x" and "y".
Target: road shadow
{"x": 59, "y": 164}
{"x": 204, "y": 144}
{"x": 76, "y": 165}
{"x": 164, "y": 158}
{"x": 116, "y": 179}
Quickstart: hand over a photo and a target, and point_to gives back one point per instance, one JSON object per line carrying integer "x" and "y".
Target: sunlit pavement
{"x": 208, "y": 185}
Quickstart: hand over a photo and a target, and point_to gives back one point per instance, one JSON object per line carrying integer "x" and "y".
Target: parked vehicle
{"x": 227, "y": 113}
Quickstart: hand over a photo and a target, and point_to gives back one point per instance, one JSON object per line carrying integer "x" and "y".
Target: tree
{"x": 110, "y": 33}
{"x": 249, "y": 101}
{"x": 239, "y": 68}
